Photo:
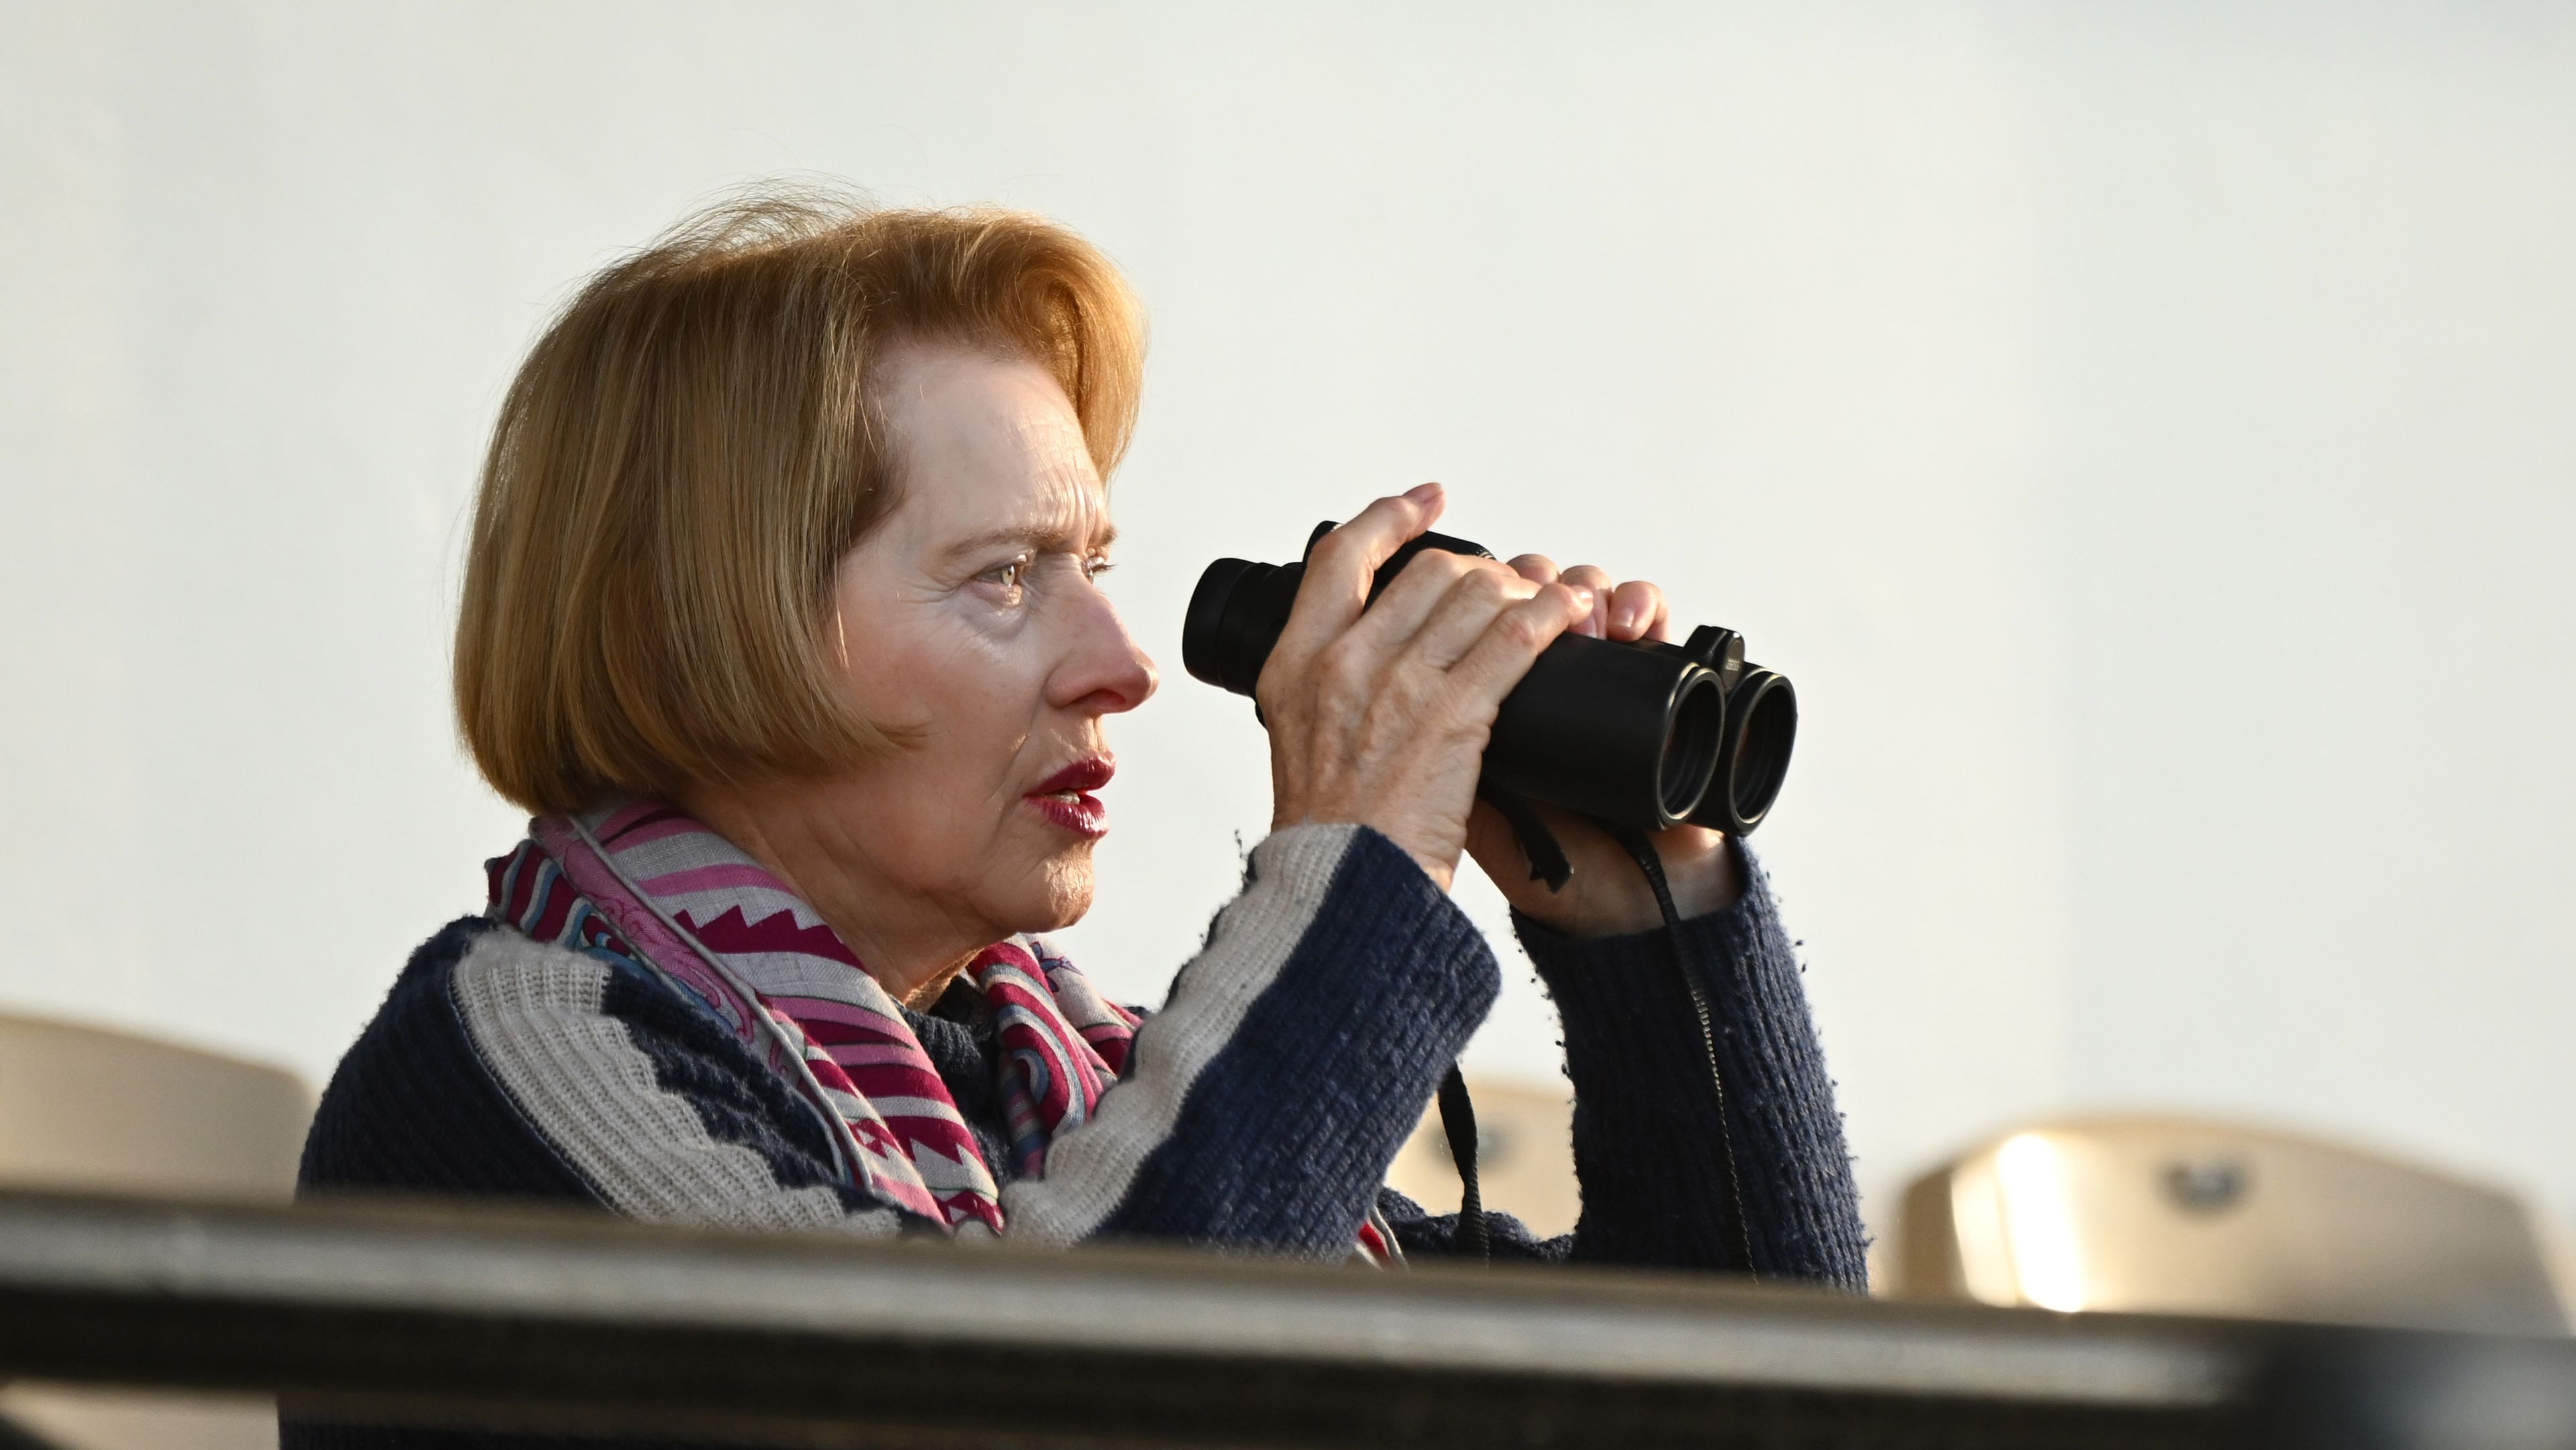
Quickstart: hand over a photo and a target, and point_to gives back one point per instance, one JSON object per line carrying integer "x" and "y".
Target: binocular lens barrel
{"x": 1644, "y": 734}
{"x": 1610, "y": 730}
{"x": 1761, "y": 729}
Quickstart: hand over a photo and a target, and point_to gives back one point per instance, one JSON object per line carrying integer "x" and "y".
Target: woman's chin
{"x": 1062, "y": 894}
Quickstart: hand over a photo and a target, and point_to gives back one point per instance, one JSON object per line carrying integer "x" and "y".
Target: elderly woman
{"x": 782, "y": 615}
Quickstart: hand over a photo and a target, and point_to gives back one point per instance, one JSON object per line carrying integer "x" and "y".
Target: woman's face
{"x": 970, "y": 625}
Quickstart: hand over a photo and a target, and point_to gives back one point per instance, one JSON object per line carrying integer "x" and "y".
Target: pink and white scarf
{"x": 644, "y": 881}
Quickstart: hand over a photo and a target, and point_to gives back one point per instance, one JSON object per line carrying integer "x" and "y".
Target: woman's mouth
{"x": 1066, "y": 798}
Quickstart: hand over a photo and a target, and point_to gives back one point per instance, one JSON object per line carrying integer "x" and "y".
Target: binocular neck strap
{"x": 1538, "y": 844}
{"x": 1458, "y": 1115}
{"x": 1458, "y": 1124}
{"x": 1692, "y": 972}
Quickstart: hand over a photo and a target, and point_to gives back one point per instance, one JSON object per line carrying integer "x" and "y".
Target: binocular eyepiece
{"x": 1646, "y": 734}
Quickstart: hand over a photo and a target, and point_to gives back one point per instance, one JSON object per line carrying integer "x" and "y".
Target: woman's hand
{"x": 1608, "y": 895}
{"x": 1381, "y": 717}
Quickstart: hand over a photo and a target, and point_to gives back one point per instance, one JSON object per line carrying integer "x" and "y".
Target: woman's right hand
{"x": 1379, "y": 714}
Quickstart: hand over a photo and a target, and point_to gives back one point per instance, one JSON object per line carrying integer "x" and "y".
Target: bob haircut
{"x": 688, "y": 452}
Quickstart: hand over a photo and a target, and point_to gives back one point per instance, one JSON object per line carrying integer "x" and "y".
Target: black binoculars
{"x": 1644, "y": 734}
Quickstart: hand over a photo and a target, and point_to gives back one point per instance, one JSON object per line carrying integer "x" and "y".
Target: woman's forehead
{"x": 991, "y": 449}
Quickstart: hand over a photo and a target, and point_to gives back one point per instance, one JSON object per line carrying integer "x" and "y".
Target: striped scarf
{"x": 645, "y": 884}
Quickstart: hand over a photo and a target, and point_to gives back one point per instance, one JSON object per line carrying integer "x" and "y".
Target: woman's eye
{"x": 1009, "y": 576}
{"x": 1096, "y": 565}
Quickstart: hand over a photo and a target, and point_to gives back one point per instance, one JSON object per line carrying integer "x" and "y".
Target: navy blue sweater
{"x": 1260, "y": 1107}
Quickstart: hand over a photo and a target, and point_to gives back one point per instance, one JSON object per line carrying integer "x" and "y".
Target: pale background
{"x": 2146, "y": 432}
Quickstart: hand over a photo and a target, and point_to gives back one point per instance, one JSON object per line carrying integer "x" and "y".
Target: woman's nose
{"x": 1106, "y": 671}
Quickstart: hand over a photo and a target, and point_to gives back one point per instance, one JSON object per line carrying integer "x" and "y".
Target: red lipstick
{"x": 1066, "y": 798}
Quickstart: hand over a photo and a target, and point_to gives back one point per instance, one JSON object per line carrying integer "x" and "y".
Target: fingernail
{"x": 1624, "y": 617}
{"x": 1423, "y": 492}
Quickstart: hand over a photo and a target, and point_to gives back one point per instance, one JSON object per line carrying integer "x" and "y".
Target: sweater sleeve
{"x": 1261, "y": 1106}
{"x": 1649, "y": 1150}
{"x": 503, "y": 1066}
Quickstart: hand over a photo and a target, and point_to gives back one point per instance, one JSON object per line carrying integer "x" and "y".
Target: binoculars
{"x": 1645, "y": 734}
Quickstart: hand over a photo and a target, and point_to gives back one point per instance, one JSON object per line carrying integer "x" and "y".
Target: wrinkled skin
{"x": 970, "y": 625}
{"x": 1382, "y": 716}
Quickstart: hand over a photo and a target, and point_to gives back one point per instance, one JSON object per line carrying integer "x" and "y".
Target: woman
{"x": 781, "y": 615}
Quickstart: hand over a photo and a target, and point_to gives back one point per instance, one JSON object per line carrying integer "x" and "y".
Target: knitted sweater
{"x": 1259, "y": 1110}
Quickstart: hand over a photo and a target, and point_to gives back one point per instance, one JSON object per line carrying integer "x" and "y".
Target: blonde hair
{"x": 690, "y": 449}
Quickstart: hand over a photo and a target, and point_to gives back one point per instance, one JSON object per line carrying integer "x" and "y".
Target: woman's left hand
{"x": 1608, "y": 896}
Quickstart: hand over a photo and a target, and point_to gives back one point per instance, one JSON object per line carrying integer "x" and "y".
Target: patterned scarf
{"x": 644, "y": 883}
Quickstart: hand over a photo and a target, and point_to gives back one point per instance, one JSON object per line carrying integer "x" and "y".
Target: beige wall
{"x": 2143, "y": 431}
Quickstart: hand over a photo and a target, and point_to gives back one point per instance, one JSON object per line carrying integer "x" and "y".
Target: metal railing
{"x": 577, "y": 1323}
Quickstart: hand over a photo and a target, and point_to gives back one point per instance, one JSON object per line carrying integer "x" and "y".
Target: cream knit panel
{"x": 1089, "y": 1169}
{"x": 534, "y": 1013}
